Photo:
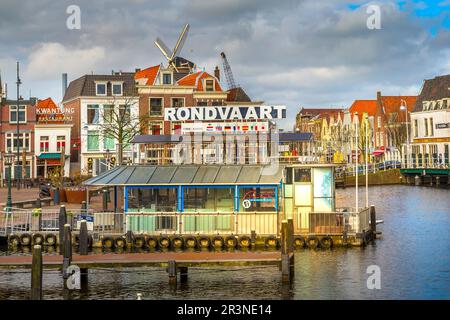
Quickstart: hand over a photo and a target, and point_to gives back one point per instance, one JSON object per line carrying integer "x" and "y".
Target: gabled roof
{"x": 322, "y": 113}
{"x": 434, "y": 89}
{"x": 238, "y": 95}
{"x": 364, "y": 106}
{"x": 147, "y": 76}
{"x": 195, "y": 79}
{"x": 47, "y": 103}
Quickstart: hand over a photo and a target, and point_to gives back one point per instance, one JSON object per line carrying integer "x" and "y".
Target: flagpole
{"x": 367, "y": 164}
{"x": 356, "y": 162}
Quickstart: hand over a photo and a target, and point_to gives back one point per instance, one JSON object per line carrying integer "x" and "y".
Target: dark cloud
{"x": 299, "y": 53}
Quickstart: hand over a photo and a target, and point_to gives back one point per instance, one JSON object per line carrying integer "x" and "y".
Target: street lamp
{"x": 9, "y": 160}
{"x": 107, "y": 156}
{"x": 403, "y": 107}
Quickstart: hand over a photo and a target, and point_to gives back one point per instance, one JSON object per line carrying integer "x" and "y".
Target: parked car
{"x": 391, "y": 164}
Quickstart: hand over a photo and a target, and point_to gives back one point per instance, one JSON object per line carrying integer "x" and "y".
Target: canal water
{"x": 413, "y": 255}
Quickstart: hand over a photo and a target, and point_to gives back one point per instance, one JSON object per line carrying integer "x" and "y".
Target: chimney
{"x": 217, "y": 73}
{"x": 137, "y": 69}
{"x": 64, "y": 84}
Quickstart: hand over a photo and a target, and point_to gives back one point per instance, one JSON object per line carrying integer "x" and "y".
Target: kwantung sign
{"x": 225, "y": 113}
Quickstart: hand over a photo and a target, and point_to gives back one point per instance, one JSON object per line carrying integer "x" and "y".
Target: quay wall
{"x": 392, "y": 176}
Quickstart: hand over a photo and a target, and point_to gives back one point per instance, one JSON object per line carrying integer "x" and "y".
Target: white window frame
{"x": 150, "y": 107}
{"x": 184, "y": 101}
{"x": 106, "y": 88}
{"x": 22, "y": 135}
{"x": 213, "y": 86}
{"x": 162, "y": 78}
{"x": 115, "y": 83}
{"x": 17, "y": 113}
{"x": 150, "y": 127}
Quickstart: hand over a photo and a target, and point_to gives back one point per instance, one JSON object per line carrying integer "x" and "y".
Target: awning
{"x": 51, "y": 155}
{"x": 378, "y": 152}
{"x": 175, "y": 175}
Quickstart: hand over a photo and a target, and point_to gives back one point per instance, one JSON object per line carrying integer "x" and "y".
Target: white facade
{"x": 94, "y": 123}
{"x": 430, "y": 138}
{"x": 52, "y": 136}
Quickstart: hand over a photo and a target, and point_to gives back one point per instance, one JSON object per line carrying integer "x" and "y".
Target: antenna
{"x": 172, "y": 55}
{"x": 228, "y": 72}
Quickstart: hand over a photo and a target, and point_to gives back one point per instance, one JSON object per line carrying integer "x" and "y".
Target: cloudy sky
{"x": 298, "y": 53}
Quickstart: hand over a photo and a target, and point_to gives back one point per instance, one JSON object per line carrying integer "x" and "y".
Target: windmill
{"x": 172, "y": 57}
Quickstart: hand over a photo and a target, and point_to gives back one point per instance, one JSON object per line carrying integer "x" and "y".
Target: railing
{"x": 202, "y": 223}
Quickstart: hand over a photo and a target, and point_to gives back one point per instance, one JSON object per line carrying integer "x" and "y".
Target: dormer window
{"x": 167, "y": 78}
{"x": 209, "y": 85}
{"x": 100, "y": 88}
{"x": 117, "y": 88}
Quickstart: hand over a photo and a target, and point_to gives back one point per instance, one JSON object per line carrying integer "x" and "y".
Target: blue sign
{"x": 85, "y": 217}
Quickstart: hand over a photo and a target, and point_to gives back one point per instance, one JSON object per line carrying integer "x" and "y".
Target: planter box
{"x": 75, "y": 196}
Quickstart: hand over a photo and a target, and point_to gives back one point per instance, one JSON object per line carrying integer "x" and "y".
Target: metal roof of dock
{"x": 148, "y": 175}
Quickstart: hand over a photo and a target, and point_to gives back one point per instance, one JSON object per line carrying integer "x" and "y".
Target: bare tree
{"x": 120, "y": 124}
{"x": 396, "y": 132}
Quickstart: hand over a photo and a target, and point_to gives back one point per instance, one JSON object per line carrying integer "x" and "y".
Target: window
{"x": 152, "y": 200}
{"x": 125, "y": 111}
{"x": 43, "y": 145}
{"x": 431, "y": 127}
{"x": 108, "y": 142}
{"x": 209, "y": 85}
{"x": 257, "y": 199}
{"x": 60, "y": 143}
{"x": 92, "y": 141}
{"x": 202, "y": 103}
{"x": 13, "y": 114}
{"x": 217, "y": 103}
{"x": 92, "y": 113}
{"x": 416, "y": 128}
{"x": 117, "y": 89}
{"x": 24, "y": 141}
{"x": 302, "y": 175}
{"x": 176, "y": 127}
{"x": 167, "y": 78}
{"x": 177, "y": 102}
{"x": 108, "y": 113}
{"x": 379, "y": 122}
{"x": 100, "y": 89}
{"x": 425, "y": 121}
{"x": 156, "y": 106}
{"x": 155, "y": 128}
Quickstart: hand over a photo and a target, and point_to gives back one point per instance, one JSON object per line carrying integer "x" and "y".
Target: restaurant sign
{"x": 442, "y": 125}
{"x": 225, "y": 113}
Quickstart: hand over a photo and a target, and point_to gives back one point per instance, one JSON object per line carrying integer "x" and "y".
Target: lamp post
{"x": 107, "y": 156}
{"x": 18, "y": 83}
{"x": 403, "y": 107}
{"x": 9, "y": 160}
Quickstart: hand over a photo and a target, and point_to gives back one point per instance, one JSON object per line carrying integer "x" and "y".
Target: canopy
{"x": 50, "y": 155}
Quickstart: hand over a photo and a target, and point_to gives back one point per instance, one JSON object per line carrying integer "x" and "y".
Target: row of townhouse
{"x": 36, "y": 134}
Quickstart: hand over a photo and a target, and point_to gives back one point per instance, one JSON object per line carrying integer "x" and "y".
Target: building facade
{"x": 430, "y": 126}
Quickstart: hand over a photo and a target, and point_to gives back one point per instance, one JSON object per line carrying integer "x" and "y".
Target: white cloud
{"x": 49, "y": 60}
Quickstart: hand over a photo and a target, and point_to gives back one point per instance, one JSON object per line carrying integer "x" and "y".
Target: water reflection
{"x": 413, "y": 254}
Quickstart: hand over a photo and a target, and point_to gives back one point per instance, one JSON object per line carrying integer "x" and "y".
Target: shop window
{"x": 209, "y": 200}
{"x": 302, "y": 175}
{"x": 152, "y": 200}
{"x": 257, "y": 199}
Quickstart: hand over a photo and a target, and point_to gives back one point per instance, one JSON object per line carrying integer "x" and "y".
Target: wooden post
{"x": 84, "y": 207}
{"x": 284, "y": 237}
{"x": 62, "y": 222}
{"x": 172, "y": 270}
{"x": 38, "y": 203}
{"x": 83, "y": 238}
{"x": 129, "y": 239}
{"x": 253, "y": 239}
{"x": 183, "y": 274}
{"x": 36, "y": 274}
{"x": 290, "y": 230}
{"x": 373, "y": 220}
{"x": 105, "y": 200}
{"x": 67, "y": 254}
{"x": 286, "y": 254}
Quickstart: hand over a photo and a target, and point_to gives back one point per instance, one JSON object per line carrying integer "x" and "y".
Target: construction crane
{"x": 228, "y": 72}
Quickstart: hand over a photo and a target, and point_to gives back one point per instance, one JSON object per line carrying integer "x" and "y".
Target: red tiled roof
{"x": 149, "y": 74}
{"x": 361, "y": 106}
{"x": 195, "y": 79}
{"x": 46, "y": 103}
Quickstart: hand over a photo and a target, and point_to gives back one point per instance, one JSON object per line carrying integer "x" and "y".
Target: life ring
{"x": 218, "y": 242}
{"x": 164, "y": 242}
{"x": 138, "y": 241}
{"x": 190, "y": 242}
{"x": 326, "y": 242}
{"x": 204, "y": 242}
{"x": 299, "y": 242}
{"x": 120, "y": 242}
{"x": 231, "y": 242}
{"x": 50, "y": 239}
{"x": 271, "y": 242}
{"x": 312, "y": 242}
{"x": 38, "y": 238}
{"x": 25, "y": 239}
{"x": 152, "y": 242}
{"x": 178, "y": 242}
{"x": 14, "y": 240}
{"x": 244, "y": 242}
{"x": 107, "y": 242}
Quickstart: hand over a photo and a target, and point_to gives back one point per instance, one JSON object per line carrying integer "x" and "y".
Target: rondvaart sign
{"x": 224, "y": 113}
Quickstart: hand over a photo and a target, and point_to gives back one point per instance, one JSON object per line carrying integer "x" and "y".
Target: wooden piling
{"x": 253, "y": 239}
{"x": 83, "y": 238}
{"x": 129, "y": 239}
{"x": 83, "y": 206}
{"x": 183, "y": 274}
{"x": 291, "y": 235}
{"x": 287, "y": 256}
{"x": 67, "y": 252}
{"x": 62, "y": 222}
{"x": 105, "y": 200}
{"x": 284, "y": 237}
{"x": 36, "y": 274}
{"x": 373, "y": 221}
{"x": 172, "y": 270}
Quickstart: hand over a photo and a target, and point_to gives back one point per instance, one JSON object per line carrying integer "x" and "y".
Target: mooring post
{"x": 290, "y": 235}
{"x": 36, "y": 273}
{"x": 105, "y": 200}
{"x": 253, "y": 239}
{"x": 417, "y": 180}
{"x": 83, "y": 207}
{"x": 284, "y": 234}
{"x": 373, "y": 221}
{"x": 67, "y": 252}
{"x": 183, "y": 274}
{"x": 129, "y": 238}
{"x": 438, "y": 181}
{"x": 285, "y": 255}
{"x": 172, "y": 270}
{"x": 62, "y": 222}
{"x": 83, "y": 250}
